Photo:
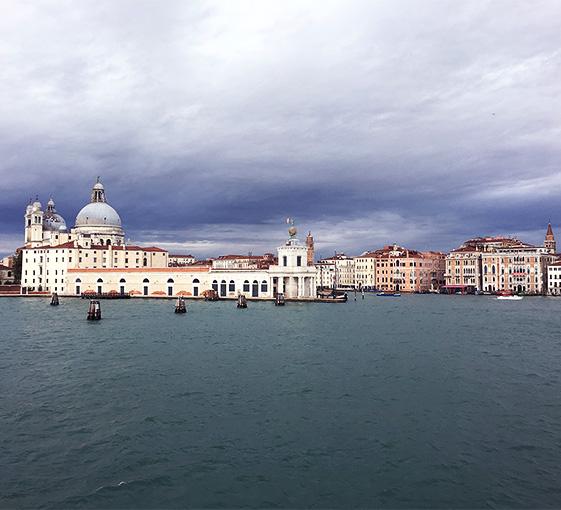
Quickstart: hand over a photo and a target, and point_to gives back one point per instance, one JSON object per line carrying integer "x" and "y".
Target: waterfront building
{"x": 554, "y": 279}
{"x": 337, "y": 271}
{"x": 365, "y": 271}
{"x": 93, "y": 257}
{"x": 493, "y": 264}
{"x": 399, "y": 269}
{"x": 6, "y": 275}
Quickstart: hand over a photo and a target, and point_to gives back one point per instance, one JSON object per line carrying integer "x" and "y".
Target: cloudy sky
{"x": 371, "y": 122}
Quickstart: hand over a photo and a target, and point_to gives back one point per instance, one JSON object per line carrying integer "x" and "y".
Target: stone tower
{"x": 310, "y": 247}
{"x": 34, "y": 224}
{"x": 550, "y": 239}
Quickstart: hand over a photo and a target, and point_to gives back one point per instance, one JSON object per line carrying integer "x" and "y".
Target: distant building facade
{"x": 494, "y": 264}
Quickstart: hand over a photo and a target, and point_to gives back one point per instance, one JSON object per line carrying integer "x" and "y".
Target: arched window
{"x": 255, "y": 289}
{"x": 196, "y": 287}
{"x": 223, "y": 288}
{"x": 78, "y": 287}
{"x": 146, "y": 280}
{"x": 145, "y": 286}
{"x": 264, "y": 286}
{"x": 246, "y": 286}
{"x": 99, "y": 280}
{"x": 99, "y": 286}
{"x": 122, "y": 282}
{"x": 215, "y": 285}
{"x": 101, "y": 242}
{"x": 484, "y": 269}
{"x": 108, "y": 243}
{"x": 170, "y": 286}
{"x": 232, "y": 286}
{"x": 170, "y": 280}
{"x": 145, "y": 262}
{"x": 78, "y": 280}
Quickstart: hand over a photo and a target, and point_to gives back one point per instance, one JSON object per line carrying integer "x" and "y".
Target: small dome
{"x": 98, "y": 185}
{"x": 98, "y": 214}
{"x": 37, "y": 205}
{"x": 54, "y": 223}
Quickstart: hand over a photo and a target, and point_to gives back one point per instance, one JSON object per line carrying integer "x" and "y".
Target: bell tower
{"x": 550, "y": 239}
{"x": 34, "y": 224}
{"x": 310, "y": 246}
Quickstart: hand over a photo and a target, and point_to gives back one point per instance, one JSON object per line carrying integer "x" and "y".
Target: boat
{"x": 332, "y": 299}
{"x": 508, "y": 295}
{"x": 211, "y": 295}
{"x": 279, "y": 299}
{"x": 388, "y": 294}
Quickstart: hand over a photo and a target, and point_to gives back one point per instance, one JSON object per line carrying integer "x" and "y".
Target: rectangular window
{"x": 284, "y": 260}
{"x": 298, "y": 260}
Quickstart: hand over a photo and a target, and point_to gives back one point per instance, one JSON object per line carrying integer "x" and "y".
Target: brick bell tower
{"x": 550, "y": 239}
{"x": 310, "y": 246}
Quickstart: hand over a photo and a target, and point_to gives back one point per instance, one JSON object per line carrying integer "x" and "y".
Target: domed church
{"x": 98, "y": 220}
{"x": 97, "y": 223}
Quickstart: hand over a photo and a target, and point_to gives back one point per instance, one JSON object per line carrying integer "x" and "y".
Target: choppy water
{"x": 422, "y": 401}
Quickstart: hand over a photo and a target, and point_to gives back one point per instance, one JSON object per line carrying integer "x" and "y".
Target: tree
{"x": 18, "y": 259}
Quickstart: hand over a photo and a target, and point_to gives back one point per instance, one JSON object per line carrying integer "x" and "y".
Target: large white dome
{"x": 98, "y": 214}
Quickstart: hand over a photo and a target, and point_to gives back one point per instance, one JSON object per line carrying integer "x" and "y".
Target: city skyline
{"x": 210, "y": 122}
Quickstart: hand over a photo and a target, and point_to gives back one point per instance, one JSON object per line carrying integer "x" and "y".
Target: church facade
{"x": 93, "y": 257}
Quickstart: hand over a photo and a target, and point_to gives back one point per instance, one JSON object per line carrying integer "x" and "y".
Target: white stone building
{"x": 93, "y": 258}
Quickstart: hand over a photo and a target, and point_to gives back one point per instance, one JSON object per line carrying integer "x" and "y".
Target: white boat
{"x": 511, "y": 298}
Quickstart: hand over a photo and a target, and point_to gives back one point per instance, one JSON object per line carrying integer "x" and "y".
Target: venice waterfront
{"x": 421, "y": 401}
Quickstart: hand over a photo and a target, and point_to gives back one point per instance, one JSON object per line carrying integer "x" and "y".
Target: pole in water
{"x": 180, "y": 305}
{"x": 54, "y": 299}
{"x": 94, "y": 311}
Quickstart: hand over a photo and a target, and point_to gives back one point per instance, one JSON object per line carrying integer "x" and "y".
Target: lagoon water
{"x": 421, "y": 401}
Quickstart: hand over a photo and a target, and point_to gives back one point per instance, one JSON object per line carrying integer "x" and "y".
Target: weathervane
{"x": 292, "y": 230}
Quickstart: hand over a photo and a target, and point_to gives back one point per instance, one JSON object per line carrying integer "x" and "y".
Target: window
{"x": 246, "y": 286}
{"x": 299, "y": 260}
{"x": 215, "y": 285}
{"x": 196, "y": 287}
{"x": 232, "y": 286}
{"x": 223, "y": 288}
{"x": 263, "y": 286}
{"x": 284, "y": 260}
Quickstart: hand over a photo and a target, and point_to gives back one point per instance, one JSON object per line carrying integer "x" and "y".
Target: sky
{"x": 421, "y": 123}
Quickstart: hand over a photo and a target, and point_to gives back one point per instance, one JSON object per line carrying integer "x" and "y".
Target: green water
{"x": 421, "y": 401}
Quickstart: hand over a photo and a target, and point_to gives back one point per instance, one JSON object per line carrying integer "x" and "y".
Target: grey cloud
{"x": 428, "y": 121}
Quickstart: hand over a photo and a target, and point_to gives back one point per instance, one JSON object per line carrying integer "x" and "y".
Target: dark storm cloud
{"x": 421, "y": 123}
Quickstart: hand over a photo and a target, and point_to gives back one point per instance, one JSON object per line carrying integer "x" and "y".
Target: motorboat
{"x": 388, "y": 294}
{"x": 508, "y": 295}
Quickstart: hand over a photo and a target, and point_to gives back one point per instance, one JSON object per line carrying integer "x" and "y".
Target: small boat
{"x": 388, "y": 294}
{"x": 279, "y": 300}
{"x": 335, "y": 299}
{"x": 211, "y": 295}
{"x": 54, "y": 299}
{"x": 508, "y": 295}
{"x": 242, "y": 301}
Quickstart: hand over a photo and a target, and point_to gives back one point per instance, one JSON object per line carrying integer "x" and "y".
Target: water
{"x": 421, "y": 401}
